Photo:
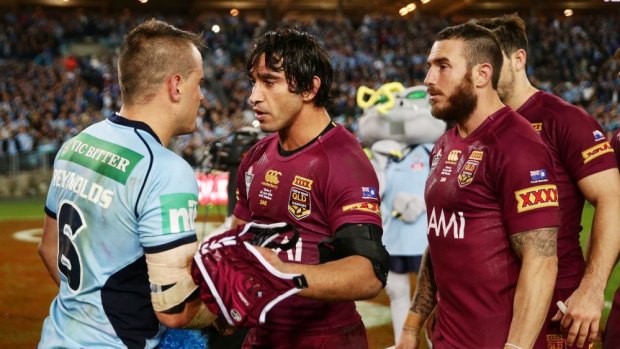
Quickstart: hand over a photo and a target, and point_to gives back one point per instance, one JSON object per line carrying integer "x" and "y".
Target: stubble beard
{"x": 461, "y": 103}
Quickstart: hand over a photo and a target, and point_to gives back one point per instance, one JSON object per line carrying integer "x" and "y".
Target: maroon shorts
{"x": 612, "y": 332}
{"x": 551, "y": 336}
{"x": 350, "y": 337}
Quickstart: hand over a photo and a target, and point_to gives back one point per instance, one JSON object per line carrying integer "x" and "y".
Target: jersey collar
{"x": 119, "y": 120}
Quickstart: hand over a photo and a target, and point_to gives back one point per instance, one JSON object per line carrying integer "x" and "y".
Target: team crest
{"x": 467, "y": 173}
{"x": 299, "y": 203}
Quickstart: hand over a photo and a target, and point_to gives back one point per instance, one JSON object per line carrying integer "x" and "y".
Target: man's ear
{"x": 174, "y": 87}
{"x": 309, "y": 95}
{"x": 482, "y": 74}
{"x": 519, "y": 59}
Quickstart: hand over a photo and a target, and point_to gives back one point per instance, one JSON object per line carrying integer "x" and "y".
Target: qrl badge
{"x": 299, "y": 203}
{"x": 555, "y": 341}
{"x": 467, "y": 173}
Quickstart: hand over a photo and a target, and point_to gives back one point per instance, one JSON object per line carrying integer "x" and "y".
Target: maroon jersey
{"x": 579, "y": 149}
{"x": 496, "y": 182}
{"x": 322, "y": 186}
{"x": 612, "y": 332}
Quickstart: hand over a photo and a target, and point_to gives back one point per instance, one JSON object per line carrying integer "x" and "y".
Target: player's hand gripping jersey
{"x": 235, "y": 279}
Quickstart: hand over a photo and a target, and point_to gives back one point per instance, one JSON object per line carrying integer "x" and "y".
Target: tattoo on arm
{"x": 541, "y": 242}
{"x": 424, "y": 299}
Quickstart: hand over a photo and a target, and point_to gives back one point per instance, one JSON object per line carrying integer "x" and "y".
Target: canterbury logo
{"x": 272, "y": 177}
{"x": 537, "y": 126}
{"x": 454, "y": 156}
{"x": 596, "y": 151}
{"x": 536, "y": 197}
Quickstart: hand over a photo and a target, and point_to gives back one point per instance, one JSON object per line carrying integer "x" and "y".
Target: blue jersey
{"x": 116, "y": 194}
{"x": 408, "y": 176}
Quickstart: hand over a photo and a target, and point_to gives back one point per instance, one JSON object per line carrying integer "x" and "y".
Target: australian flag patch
{"x": 538, "y": 176}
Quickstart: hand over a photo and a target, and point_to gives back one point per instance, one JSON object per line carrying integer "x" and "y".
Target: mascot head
{"x": 397, "y": 113}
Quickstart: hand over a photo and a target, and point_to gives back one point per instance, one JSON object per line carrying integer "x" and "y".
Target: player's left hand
{"x": 583, "y": 314}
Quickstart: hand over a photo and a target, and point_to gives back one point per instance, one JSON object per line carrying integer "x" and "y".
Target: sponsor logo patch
{"x": 417, "y": 166}
{"x": 453, "y": 157}
{"x": 436, "y": 159}
{"x": 369, "y": 193}
{"x": 538, "y": 176}
{"x": 272, "y": 179}
{"x": 299, "y": 203}
{"x": 596, "y": 151}
{"x": 178, "y": 212}
{"x": 537, "y": 126}
{"x": 536, "y": 197}
{"x": 476, "y": 155}
{"x": 363, "y": 206}
{"x": 303, "y": 183}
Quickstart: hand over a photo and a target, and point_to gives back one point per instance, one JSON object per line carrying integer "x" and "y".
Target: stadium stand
{"x": 58, "y": 73}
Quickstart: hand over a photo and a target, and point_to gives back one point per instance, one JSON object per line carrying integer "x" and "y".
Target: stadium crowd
{"x": 51, "y": 87}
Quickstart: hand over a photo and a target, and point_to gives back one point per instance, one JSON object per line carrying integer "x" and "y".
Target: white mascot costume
{"x": 398, "y": 126}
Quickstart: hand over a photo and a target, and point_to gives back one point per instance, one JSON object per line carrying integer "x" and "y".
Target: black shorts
{"x": 405, "y": 264}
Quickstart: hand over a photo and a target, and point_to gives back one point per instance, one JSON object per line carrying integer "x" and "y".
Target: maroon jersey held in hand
{"x": 496, "y": 182}
{"x": 579, "y": 149}
{"x": 318, "y": 188}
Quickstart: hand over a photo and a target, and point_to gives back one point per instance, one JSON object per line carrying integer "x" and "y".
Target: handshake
{"x": 236, "y": 281}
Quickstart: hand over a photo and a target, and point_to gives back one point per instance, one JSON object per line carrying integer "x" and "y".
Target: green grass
{"x": 25, "y": 208}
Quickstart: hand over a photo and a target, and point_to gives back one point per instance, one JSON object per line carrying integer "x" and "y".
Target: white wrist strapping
{"x": 510, "y": 345}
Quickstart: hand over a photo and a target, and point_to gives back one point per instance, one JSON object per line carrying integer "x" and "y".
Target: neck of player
{"x": 308, "y": 124}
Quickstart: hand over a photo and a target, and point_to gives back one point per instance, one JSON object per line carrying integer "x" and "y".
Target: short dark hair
{"x": 149, "y": 53}
{"x": 300, "y": 55}
{"x": 509, "y": 31}
{"x": 481, "y": 46}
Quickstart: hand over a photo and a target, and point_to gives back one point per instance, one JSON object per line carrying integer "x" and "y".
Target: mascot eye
{"x": 416, "y": 95}
{"x": 382, "y": 99}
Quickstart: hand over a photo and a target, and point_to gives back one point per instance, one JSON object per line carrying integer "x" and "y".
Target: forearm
{"x": 532, "y": 298}
{"x": 350, "y": 278}
{"x": 49, "y": 260}
{"x": 604, "y": 246}
{"x": 424, "y": 300}
{"x": 602, "y": 190}
{"x": 48, "y": 248}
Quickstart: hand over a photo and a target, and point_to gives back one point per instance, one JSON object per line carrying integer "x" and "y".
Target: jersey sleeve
{"x": 583, "y": 147}
{"x": 51, "y": 202}
{"x": 169, "y": 206}
{"x": 526, "y": 182}
{"x": 352, "y": 189}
